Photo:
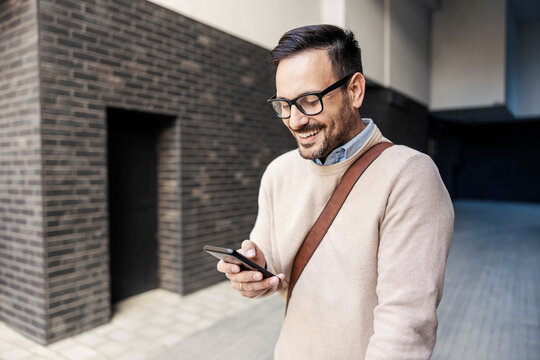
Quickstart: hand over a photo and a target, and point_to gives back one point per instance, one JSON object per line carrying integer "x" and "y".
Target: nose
{"x": 297, "y": 119}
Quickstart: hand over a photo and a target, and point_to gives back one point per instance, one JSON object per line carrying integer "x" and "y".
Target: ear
{"x": 356, "y": 89}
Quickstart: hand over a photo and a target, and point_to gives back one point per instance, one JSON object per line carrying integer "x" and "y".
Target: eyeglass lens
{"x": 307, "y": 104}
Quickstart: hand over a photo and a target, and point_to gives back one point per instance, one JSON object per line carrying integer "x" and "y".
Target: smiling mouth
{"x": 309, "y": 134}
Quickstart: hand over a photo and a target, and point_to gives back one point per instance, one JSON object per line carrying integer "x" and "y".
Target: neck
{"x": 358, "y": 127}
{"x": 354, "y": 131}
{"x": 357, "y": 130}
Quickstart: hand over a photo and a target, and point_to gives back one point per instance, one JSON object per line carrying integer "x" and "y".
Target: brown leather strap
{"x": 325, "y": 219}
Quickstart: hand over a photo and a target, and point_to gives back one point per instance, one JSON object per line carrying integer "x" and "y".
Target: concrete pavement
{"x": 248, "y": 335}
{"x": 490, "y": 307}
{"x": 163, "y": 325}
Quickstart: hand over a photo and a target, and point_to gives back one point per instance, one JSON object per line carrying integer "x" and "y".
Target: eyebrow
{"x": 297, "y": 96}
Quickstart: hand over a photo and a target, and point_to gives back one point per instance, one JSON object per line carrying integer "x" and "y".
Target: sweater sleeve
{"x": 415, "y": 235}
{"x": 262, "y": 231}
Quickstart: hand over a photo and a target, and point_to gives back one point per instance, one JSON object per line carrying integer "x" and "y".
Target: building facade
{"x": 127, "y": 99}
{"x": 131, "y": 135}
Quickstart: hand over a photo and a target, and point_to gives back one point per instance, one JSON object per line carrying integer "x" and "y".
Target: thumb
{"x": 249, "y": 248}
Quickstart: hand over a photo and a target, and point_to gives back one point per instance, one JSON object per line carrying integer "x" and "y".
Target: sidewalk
{"x": 249, "y": 335}
{"x": 489, "y": 311}
{"x": 163, "y": 325}
{"x": 490, "y": 308}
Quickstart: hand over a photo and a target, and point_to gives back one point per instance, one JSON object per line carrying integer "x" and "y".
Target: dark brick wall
{"x": 22, "y": 294}
{"x": 138, "y": 56}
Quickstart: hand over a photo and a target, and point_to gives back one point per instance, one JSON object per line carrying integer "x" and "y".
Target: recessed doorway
{"x": 133, "y": 200}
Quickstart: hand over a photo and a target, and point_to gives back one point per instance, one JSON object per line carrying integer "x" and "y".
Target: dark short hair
{"x": 341, "y": 45}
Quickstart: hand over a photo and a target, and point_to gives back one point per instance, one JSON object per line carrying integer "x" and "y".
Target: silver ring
{"x": 241, "y": 288}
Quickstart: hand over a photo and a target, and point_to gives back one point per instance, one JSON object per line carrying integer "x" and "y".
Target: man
{"x": 371, "y": 288}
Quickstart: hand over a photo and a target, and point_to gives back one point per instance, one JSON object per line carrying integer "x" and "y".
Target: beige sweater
{"x": 371, "y": 289}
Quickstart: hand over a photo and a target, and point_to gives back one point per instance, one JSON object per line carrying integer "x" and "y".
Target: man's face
{"x": 316, "y": 135}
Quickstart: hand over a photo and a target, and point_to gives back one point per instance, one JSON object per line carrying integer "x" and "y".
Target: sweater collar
{"x": 340, "y": 167}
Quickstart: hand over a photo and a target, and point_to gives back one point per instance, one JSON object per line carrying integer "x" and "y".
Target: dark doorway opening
{"x": 133, "y": 200}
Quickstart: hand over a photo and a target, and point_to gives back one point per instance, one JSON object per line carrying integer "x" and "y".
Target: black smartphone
{"x": 234, "y": 257}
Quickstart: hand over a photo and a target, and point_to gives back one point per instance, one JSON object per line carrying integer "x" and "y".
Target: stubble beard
{"x": 329, "y": 143}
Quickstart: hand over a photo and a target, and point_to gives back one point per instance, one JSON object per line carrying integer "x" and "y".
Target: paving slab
{"x": 491, "y": 303}
{"x": 142, "y": 326}
{"x": 490, "y": 307}
{"x": 250, "y": 334}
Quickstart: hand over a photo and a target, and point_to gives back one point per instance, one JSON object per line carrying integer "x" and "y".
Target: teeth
{"x": 308, "y": 134}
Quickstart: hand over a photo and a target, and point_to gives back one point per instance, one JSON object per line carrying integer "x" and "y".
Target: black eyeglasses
{"x": 309, "y": 103}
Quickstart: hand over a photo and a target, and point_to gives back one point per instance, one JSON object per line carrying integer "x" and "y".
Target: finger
{"x": 249, "y": 249}
{"x": 256, "y": 286}
{"x": 245, "y": 276}
{"x": 248, "y": 289}
{"x": 227, "y": 268}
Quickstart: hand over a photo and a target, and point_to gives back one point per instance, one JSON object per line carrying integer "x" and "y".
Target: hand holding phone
{"x": 234, "y": 257}
{"x": 245, "y": 271}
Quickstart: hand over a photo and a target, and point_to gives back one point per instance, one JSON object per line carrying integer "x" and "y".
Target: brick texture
{"x": 64, "y": 65}
{"x": 133, "y": 55}
{"x": 22, "y": 292}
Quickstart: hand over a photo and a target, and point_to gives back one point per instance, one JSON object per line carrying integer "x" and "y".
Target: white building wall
{"x": 393, "y": 34}
{"x": 334, "y": 12}
{"x": 468, "y": 54}
{"x": 409, "y": 56}
{"x": 261, "y": 22}
{"x": 366, "y": 20}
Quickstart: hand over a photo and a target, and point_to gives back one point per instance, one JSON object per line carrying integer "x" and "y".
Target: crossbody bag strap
{"x": 325, "y": 219}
